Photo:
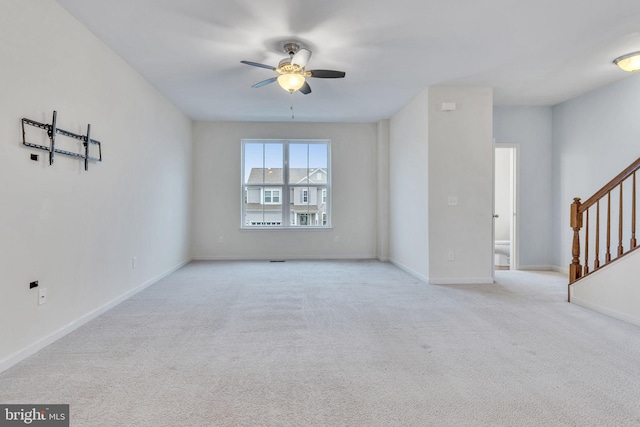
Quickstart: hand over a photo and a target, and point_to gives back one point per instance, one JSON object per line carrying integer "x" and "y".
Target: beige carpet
{"x": 339, "y": 344}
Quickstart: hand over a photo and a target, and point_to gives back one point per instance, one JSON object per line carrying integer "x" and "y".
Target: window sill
{"x": 297, "y": 228}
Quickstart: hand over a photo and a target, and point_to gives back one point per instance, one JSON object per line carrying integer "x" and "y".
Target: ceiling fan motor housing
{"x": 291, "y": 48}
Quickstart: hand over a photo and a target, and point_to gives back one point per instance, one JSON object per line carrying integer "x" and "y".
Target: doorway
{"x": 505, "y": 206}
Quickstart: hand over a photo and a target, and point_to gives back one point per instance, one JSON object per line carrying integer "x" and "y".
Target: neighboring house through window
{"x": 286, "y": 183}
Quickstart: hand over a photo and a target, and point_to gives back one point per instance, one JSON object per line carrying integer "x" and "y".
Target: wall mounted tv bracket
{"x": 52, "y": 131}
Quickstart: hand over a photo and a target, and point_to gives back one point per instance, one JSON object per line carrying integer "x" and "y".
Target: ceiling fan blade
{"x": 305, "y": 89}
{"x": 265, "y": 82}
{"x": 327, "y": 74}
{"x": 301, "y": 57}
{"x": 255, "y": 64}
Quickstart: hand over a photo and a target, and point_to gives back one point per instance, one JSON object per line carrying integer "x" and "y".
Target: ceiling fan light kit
{"x": 292, "y": 72}
{"x": 291, "y": 82}
{"x": 629, "y": 62}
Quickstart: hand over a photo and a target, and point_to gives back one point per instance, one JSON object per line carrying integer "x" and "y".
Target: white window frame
{"x": 286, "y": 189}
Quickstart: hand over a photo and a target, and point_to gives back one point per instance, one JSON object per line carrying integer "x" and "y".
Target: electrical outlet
{"x": 42, "y": 296}
{"x": 221, "y": 239}
{"x": 452, "y": 256}
{"x": 134, "y": 262}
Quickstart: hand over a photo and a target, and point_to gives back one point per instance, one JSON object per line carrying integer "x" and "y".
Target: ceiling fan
{"x": 291, "y": 71}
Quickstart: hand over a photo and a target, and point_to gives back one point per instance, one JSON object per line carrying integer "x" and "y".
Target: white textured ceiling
{"x": 532, "y": 52}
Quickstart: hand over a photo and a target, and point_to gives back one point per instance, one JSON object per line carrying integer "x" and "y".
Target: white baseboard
{"x": 462, "y": 281}
{"x": 409, "y": 270}
{"x": 292, "y": 257}
{"x": 536, "y": 268}
{"x": 562, "y": 270}
{"x": 444, "y": 281}
{"x": 33, "y": 348}
{"x": 607, "y": 311}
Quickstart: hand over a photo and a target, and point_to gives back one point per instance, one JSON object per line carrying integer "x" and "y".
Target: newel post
{"x": 575, "y": 269}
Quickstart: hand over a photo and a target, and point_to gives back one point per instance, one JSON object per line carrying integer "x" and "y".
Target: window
{"x": 285, "y": 184}
{"x": 272, "y": 196}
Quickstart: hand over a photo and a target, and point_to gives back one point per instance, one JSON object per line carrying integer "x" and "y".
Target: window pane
{"x": 263, "y": 163}
{"x": 300, "y": 208}
{"x": 322, "y": 205}
{"x": 309, "y": 206}
{"x": 253, "y": 159}
{"x": 308, "y": 163}
{"x": 298, "y": 163}
{"x": 261, "y": 214}
{"x": 273, "y": 163}
{"x": 318, "y": 156}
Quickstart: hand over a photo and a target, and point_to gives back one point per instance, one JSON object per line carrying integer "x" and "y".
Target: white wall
{"x": 75, "y": 231}
{"x": 595, "y": 137}
{"x": 531, "y": 129}
{"x": 409, "y": 187}
{"x": 612, "y": 290}
{"x": 461, "y": 165}
{"x": 217, "y": 193}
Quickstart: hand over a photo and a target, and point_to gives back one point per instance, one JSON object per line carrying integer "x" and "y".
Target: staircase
{"x": 606, "y": 223}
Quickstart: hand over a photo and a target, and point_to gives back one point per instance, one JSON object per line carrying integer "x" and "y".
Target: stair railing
{"x": 616, "y": 195}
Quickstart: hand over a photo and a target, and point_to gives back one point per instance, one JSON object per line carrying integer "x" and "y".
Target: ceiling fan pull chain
{"x": 292, "y": 113}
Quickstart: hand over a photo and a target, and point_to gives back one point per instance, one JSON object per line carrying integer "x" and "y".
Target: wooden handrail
{"x": 610, "y": 186}
{"x": 579, "y": 209}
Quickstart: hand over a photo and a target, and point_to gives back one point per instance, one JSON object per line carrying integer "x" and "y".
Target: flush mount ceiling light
{"x": 629, "y": 62}
{"x": 292, "y": 73}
